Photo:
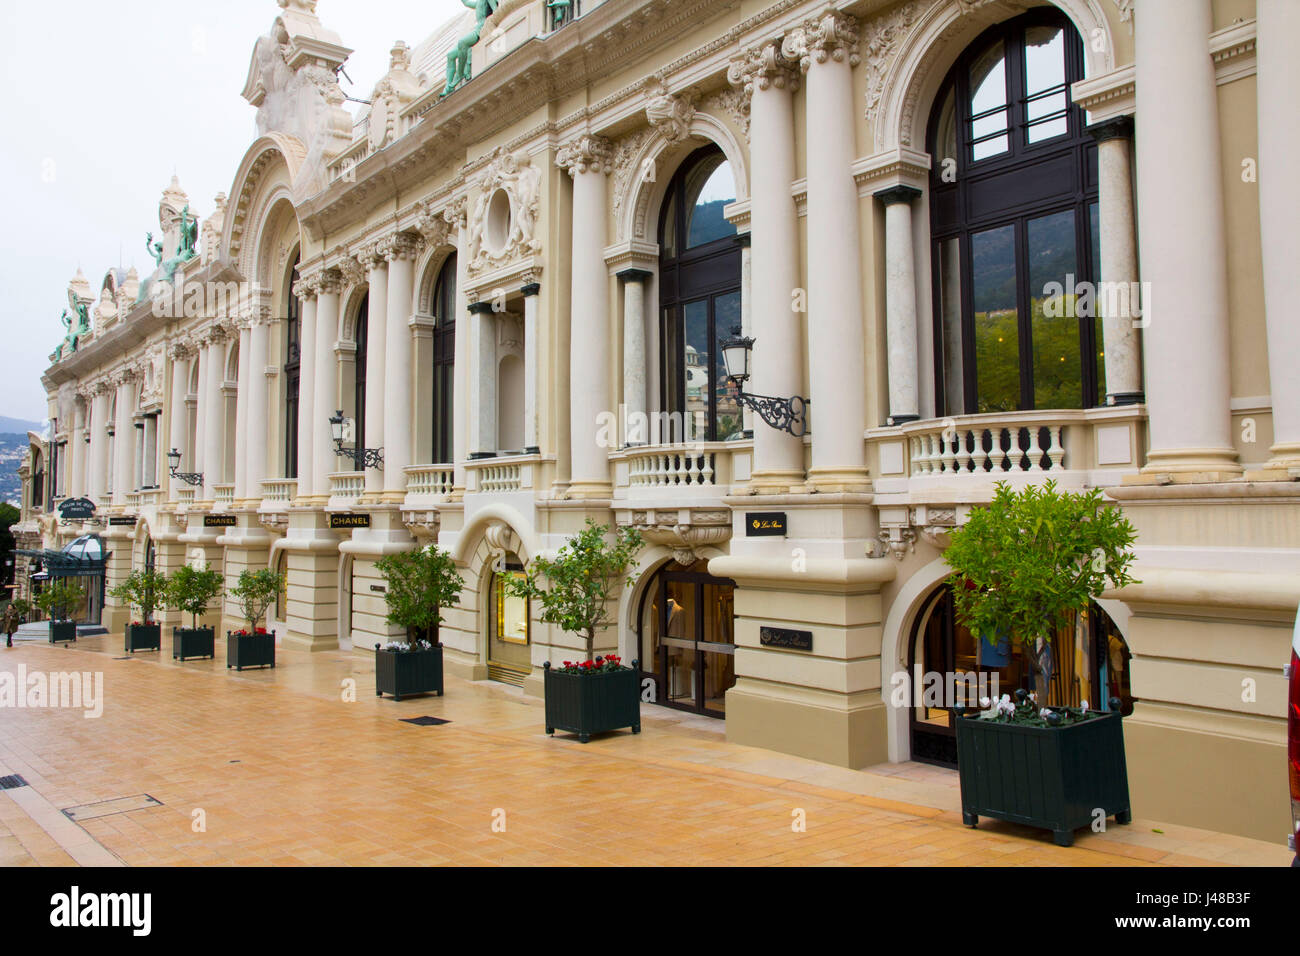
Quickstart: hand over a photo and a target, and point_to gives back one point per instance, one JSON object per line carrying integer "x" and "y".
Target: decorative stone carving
{"x": 307, "y": 287}
{"x": 212, "y": 229}
{"x": 733, "y": 103}
{"x": 154, "y": 380}
{"x": 687, "y": 534}
{"x": 353, "y": 272}
{"x": 829, "y": 35}
{"x": 625, "y": 167}
{"x": 501, "y": 539}
{"x": 457, "y": 213}
{"x": 329, "y": 282}
{"x": 881, "y": 40}
{"x": 390, "y": 95}
{"x": 670, "y": 114}
{"x": 432, "y": 226}
{"x": 501, "y": 233}
{"x": 587, "y": 153}
{"x": 400, "y": 245}
{"x": 760, "y": 67}
{"x": 423, "y": 525}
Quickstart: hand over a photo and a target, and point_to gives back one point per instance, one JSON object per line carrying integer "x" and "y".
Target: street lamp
{"x": 367, "y": 457}
{"x": 189, "y": 477}
{"x": 783, "y": 414}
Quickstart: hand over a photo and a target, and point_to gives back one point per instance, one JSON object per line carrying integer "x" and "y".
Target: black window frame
{"x": 443, "y": 411}
{"x": 292, "y": 375}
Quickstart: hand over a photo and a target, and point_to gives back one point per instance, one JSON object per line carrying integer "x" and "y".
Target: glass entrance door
{"x": 688, "y": 639}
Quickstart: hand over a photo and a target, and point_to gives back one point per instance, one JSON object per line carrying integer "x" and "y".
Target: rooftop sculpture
{"x": 458, "y": 59}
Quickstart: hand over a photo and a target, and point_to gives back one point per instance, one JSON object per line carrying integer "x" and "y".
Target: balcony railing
{"x": 701, "y": 470}
{"x": 279, "y": 491}
{"x": 952, "y": 450}
{"x": 498, "y": 478}
{"x": 223, "y": 495}
{"x": 502, "y": 475}
{"x": 347, "y": 485}
{"x": 185, "y": 496}
{"x": 435, "y": 481}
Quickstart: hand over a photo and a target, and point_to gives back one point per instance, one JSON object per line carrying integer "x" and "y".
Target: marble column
{"x": 376, "y": 357}
{"x": 306, "y": 289}
{"x": 1118, "y": 304}
{"x": 1277, "y": 80}
{"x": 242, "y": 417}
{"x": 212, "y": 411}
{"x": 401, "y": 252}
{"x": 177, "y": 437}
{"x": 150, "y": 461}
{"x": 1183, "y": 242}
{"x": 587, "y": 160}
{"x": 137, "y": 450}
{"x": 777, "y": 362}
{"x": 258, "y": 391}
{"x": 532, "y": 303}
{"x": 99, "y": 424}
{"x": 123, "y": 442}
{"x": 634, "y": 423}
{"x": 460, "y": 385}
{"x": 900, "y": 304}
{"x": 325, "y": 396}
{"x": 76, "y": 454}
{"x": 483, "y": 398}
{"x": 827, "y": 48}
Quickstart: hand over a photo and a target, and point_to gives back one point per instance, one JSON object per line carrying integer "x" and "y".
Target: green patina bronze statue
{"x": 458, "y": 60}
{"x": 561, "y": 10}
{"x": 82, "y": 314}
{"x": 186, "y": 250}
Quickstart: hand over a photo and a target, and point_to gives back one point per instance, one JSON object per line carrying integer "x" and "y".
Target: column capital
{"x": 587, "y": 153}
{"x": 531, "y": 289}
{"x": 352, "y": 270}
{"x": 634, "y": 275}
{"x": 307, "y": 287}
{"x": 1119, "y": 127}
{"x": 434, "y": 226}
{"x": 830, "y": 35}
{"x": 397, "y": 246}
{"x": 762, "y": 67}
{"x": 897, "y": 194}
{"x": 370, "y": 256}
{"x": 329, "y": 282}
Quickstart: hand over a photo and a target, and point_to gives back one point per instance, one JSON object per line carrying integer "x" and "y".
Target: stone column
{"x": 306, "y": 290}
{"x": 483, "y": 394}
{"x": 1119, "y": 264}
{"x": 324, "y": 459}
{"x": 150, "y": 462}
{"x": 123, "y": 445}
{"x": 635, "y": 425}
{"x": 212, "y": 407}
{"x": 532, "y": 301}
{"x": 456, "y": 217}
{"x": 827, "y": 51}
{"x": 777, "y": 362}
{"x": 76, "y": 454}
{"x": 401, "y": 252}
{"x": 177, "y": 437}
{"x": 900, "y": 304}
{"x": 258, "y": 391}
{"x": 376, "y": 358}
{"x": 1278, "y": 78}
{"x": 1183, "y": 243}
{"x": 99, "y": 442}
{"x": 244, "y": 438}
{"x": 587, "y": 159}
{"x": 137, "y": 451}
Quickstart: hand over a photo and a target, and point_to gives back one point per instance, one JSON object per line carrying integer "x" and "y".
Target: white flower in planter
{"x": 1083, "y": 707}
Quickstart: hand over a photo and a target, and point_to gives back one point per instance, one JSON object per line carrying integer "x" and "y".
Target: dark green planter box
{"x": 1049, "y": 777}
{"x": 406, "y": 673}
{"x": 250, "y": 650}
{"x": 143, "y": 637}
{"x": 62, "y": 631}
{"x": 188, "y": 642}
{"x": 586, "y": 704}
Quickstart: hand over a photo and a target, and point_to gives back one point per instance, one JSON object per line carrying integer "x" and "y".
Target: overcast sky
{"x": 106, "y": 101}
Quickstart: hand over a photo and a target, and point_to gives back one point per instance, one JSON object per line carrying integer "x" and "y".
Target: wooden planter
{"x": 1056, "y": 778}
{"x": 586, "y": 704}
{"x": 62, "y": 631}
{"x": 249, "y": 650}
{"x": 143, "y": 637}
{"x": 405, "y": 673}
{"x": 188, "y": 642}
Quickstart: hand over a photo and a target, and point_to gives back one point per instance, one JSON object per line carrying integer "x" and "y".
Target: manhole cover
{"x": 424, "y": 721}
{"x": 106, "y": 808}
{"x": 12, "y": 782}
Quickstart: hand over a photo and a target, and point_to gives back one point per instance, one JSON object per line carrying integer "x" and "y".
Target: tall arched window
{"x": 292, "y": 374}
{"x": 359, "y": 394}
{"x": 1013, "y": 205}
{"x": 444, "y": 360}
{"x": 699, "y": 282}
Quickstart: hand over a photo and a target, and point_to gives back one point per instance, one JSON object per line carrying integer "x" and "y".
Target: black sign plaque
{"x": 218, "y": 521}
{"x": 122, "y": 521}
{"x": 785, "y": 637}
{"x": 76, "y": 508}
{"x": 349, "y": 521}
{"x": 765, "y": 524}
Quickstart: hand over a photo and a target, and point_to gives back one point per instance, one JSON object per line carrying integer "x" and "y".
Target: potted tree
{"x": 59, "y": 599}
{"x": 1023, "y": 567}
{"x": 596, "y": 694}
{"x": 418, "y": 585}
{"x": 253, "y": 646}
{"x": 190, "y": 591}
{"x": 144, "y": 590}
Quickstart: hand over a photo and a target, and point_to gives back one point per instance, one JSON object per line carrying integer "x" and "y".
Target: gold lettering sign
{"x": 349, "y": 521}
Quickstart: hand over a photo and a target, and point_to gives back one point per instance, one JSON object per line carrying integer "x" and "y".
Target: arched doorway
{"x": 508, "y": 639}
{"x": 687, "y": 638}
{"x": 700, "y": 298}
{"x": 948, "y": 666}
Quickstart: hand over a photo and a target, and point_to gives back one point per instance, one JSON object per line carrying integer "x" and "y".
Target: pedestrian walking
{"x": 11, "y": 623}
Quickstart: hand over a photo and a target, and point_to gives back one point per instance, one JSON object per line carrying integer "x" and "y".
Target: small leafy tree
{"x": 60, "y": 598}
{"x": 420, "y": 584}
{"x": 582, "y": 579}
{"x": 1027, "y": 562}
{"x": 143, "y": 589}
{"x": 256, "y": 591}
{"x": 191, "y": 591}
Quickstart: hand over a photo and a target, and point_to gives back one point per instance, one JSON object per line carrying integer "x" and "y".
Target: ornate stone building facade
{"x": 983, "y": 239}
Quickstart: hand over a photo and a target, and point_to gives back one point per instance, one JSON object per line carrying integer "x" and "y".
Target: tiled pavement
{"x": 275, "y": 767}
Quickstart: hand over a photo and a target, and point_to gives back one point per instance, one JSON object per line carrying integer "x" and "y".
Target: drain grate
{"x": 424, "y": 721}
{"x": 106, "y": 808}
{"x": 12, "y": 782}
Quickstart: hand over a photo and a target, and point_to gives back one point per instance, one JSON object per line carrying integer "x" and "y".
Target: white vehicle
{"x": 1293, "y": 739}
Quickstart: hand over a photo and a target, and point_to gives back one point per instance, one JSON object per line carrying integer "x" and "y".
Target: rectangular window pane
{"x": 954, "y": 379}
{"x": 695, "y": 362}
{"x": 1094, "y": 233}
{"x": 997, "y": 337}
{"x": 988, "y": 86}
{"x": 1055, "y": 332}
{"x": 726, "y": 316}
{"x": 1044, "y": 58}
